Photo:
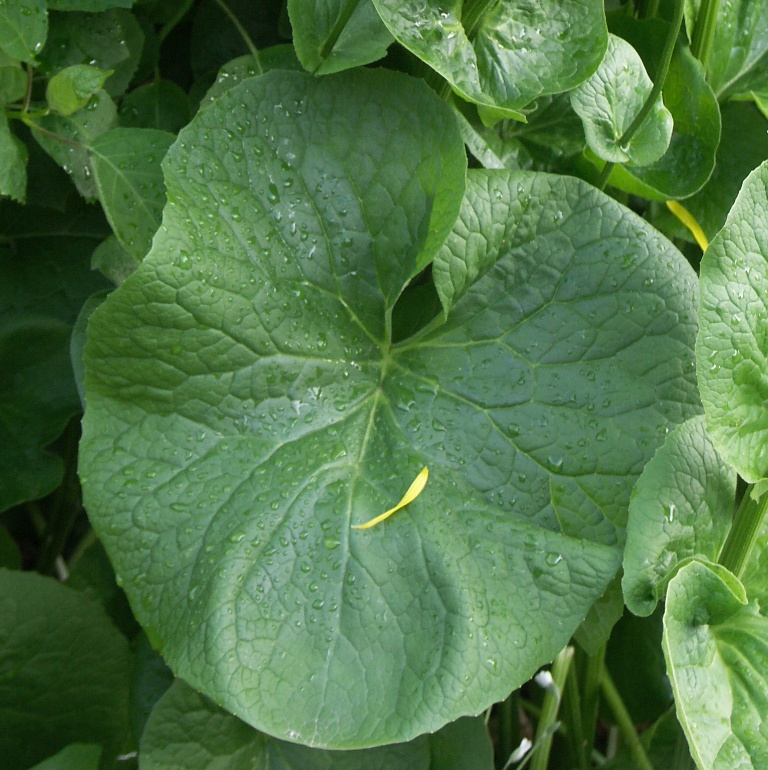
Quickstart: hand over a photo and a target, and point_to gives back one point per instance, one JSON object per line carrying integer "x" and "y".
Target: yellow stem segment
{"x": 413, "y": 492}
{"x": 687, "y": 219}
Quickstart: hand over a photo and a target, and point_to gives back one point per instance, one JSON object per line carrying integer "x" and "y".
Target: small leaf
{"x": 513, "y": 53}
{"x": 161, "y": 105}
{"x": 732, "y": 344}
{"x": 609, "y": 101}
{"x": 13, "y": 162}
{"x": 126, "y": 164}
{"x": 681, "y": 507}
{"x": 68, "y": 139}
{"x": 13, "y": 82}
{"x": 23, "y": 28}
{"x": 71, "y": 89}
{"x": 716, "y": 650}
{"x": 334, "y": 35}
{"x": 64, "y": 672}
{"x": 76, "y": 756}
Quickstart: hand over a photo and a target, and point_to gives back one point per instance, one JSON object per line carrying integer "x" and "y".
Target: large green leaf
{"x": 186, "y": 731}
{"x": 23, "y": 28}
{"x": 334, "y": 35}
{"x": 126, "y": 164}
{"x": 246, "y": 406}
{"x": 681, "y": 507}
{"x": 63, "y": 672}
{"x": 732, "y": 344}
{"x": 716, "y": 650}
{"x": 505, "y": 54}
{"x": 609, "y": 101}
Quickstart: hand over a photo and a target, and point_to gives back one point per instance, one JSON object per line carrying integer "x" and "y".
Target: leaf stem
{"x": 169, "y": 25}
{"x": 651, "y": 9}
{"x": 473, "y": 13}
{"x": 58, "y": 137}
{"x": 604, "y": 174}
{"x": 590, "y": 693}
{"x": 747, "y": 524}
{"x": 243, "y": 34}
{"x": 547, "y": 723}
{"x": 624, "y": 722}
{"x": 338, "y": 28}
{"x": 704, "y": 31}
{"x": 508, "y": 725}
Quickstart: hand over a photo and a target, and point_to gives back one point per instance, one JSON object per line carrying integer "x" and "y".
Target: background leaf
{"x": 610, "y": 99}
{"x": 13, "y": 161}
{"x": 126, "y": 164}
{"x": 161, "y": 105}
{"x": 23, "y": 28}
{"x": 717, "y": 660}
{"x": 514, "y": 52}
{"x": 681, "y": 507}
{"x": 76, "y": 756}
{"x": 732, "y": 344}
{"x": 63, "y": 672}
{"x": 334, "y": 35}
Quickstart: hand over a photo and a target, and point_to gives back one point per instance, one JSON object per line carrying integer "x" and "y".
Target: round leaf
{"x": 732, "y": 344}
{"x": 608, "y": 102}
{"x": 246, "y": 407}
{"x": 509, "y": 55}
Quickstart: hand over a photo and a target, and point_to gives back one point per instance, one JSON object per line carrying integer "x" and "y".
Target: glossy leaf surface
{"x": 263, "y": 411}
{"x": 502, "y": 55}
{"x": 610, "y": 99}
{"x": 732, "y": 344}
{"x": 717, "y": 659}
{"x": 681, "y": 507}
{"x": 186, "y": 730}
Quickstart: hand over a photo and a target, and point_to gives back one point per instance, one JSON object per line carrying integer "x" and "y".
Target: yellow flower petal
{"x": 687, "y": 219}
{"x": 413, "y": 492}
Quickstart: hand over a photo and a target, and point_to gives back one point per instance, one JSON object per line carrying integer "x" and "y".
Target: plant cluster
{"x": 269, "y": 268}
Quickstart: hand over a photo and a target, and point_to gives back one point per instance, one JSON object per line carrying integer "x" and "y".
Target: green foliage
{"x": 282, "y": 282}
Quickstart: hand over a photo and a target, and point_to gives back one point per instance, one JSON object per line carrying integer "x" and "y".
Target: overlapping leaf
{"x": 681, "y": 508}
{"x": 732, "y": 344}
{"x": 186, "y": 730}
{"x": 246, "y": 406}
{"x": 502, "y": 55}
{"x": 717, "y": 660}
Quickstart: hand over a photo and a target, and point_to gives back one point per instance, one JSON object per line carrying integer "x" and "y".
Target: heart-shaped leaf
{"x": 681, "y": 507}
{"x": 502, "y": 55}
{"x": 247, "y": 406}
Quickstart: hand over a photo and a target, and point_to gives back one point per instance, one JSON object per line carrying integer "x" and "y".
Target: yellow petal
{"x": 687, "y": 219}
{"x": 413, "y": 492}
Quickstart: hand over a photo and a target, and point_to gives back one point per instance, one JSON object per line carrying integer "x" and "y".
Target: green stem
{"x": 574, "y": 719}
{"x": 174, "y": 20}
{"x": 704, "y": 31}
{"x": 243, "y": 34}
{"x": 338, "y": 28}
{"x": 34, "y": 127}
{"x": 661, "y": 74}
{"x": 747, "y": 524}
{"x": 651, "y": 9}
{"x": 66, "y": 506}
{"x": 546, "y": 726}
{"x": 604, "y": 174}
{"x": 508, "y": 726}
{"x": 590, "y": 693}
{"x": 624, "y": 722}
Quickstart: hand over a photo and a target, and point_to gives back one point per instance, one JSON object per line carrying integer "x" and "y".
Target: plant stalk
{"x": 508, "y": 726}
{"x": 243, "y": 34}
{"x": 575, "y": 720}
{"x": 590, "y": 693}
{"x": 747, "y": 524}
{"x": 624, "y": 722}
{"x": 704, "y": 31}
{"x": 547, "y": 723}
